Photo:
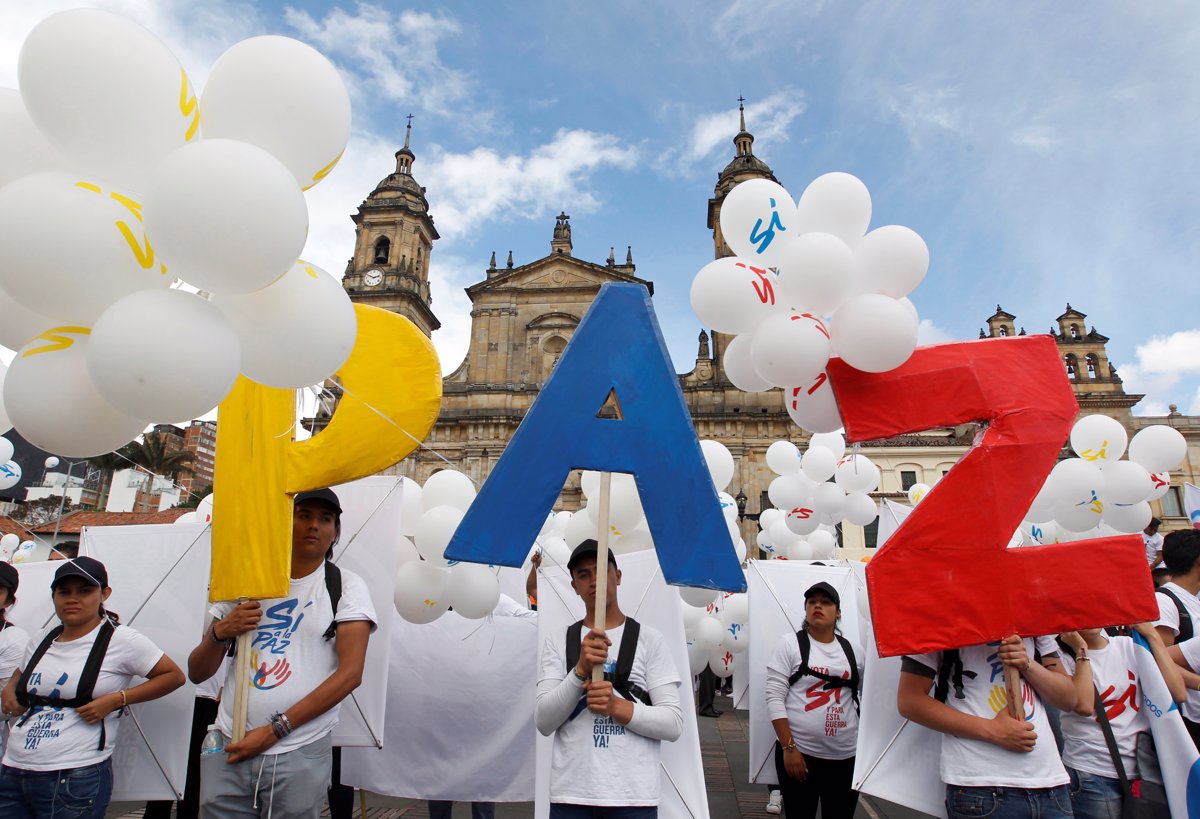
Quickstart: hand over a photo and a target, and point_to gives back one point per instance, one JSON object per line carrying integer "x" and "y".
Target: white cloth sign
{"x": 644, "y": 596}
{"x": 459, "y": 712}
{"x": 157, "y": 577}
{"x": 776, "y": 608}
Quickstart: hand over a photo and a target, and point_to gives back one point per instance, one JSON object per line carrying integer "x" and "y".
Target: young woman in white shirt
{"x": 816, "y": 718}
{"x": 12, "y": 638}
{"x": 58, "y": 762}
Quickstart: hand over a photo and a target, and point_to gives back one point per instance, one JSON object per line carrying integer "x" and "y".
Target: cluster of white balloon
{"x": 717, "y": 628}
{"x": 118, "y": 187}
{"x": 13, "y": 549}
{"x": 807, "y": 284}
{"x": 807, "y": 504}
{"x": 1096, "y": 493}
{"x": 10, "y": 470}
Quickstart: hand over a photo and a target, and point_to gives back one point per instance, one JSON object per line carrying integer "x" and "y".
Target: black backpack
{"x": 1186, "y": 631}
{"x": 831, "y": 682}
{"x": 87, "y": 680}
{"x": 619, "y": 679}
{"x": 950, "y": 673}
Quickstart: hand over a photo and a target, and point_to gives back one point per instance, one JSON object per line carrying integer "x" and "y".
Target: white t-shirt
{"x": 824, "y": 722}
{"x": 596, "y": 760}
{"x": 12, "y": 648}
{"x": 1154, "y": 545}
{"x": 1114, "y": 670}
{"x": 1168, "y": 615}
{"x": 290, "y": 656}
{"x": 50, "y": 739}
{"x": 973, "y": 762}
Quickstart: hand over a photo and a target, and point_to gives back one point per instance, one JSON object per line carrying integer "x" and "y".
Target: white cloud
{"x": 770, "y": 121}
{"x": 1177, "y": 353}
{"x": 930, "y": 333}
{"x": 1194, "y": 409}
{"x": 448, "y": 275}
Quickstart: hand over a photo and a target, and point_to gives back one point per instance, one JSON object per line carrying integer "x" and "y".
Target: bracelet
{"x": 212, "y": 635}
{"x": 791, "y": 746}
{"x": 578, "y": 676}
{"x": 124, "y": 700}
{"x": 281, "y": 726}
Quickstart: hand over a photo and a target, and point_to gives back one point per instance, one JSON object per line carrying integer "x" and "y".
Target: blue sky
{"x": 1046, "y": 154}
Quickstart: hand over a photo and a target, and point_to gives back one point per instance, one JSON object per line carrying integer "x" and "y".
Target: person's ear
{"x": 106, "y": 592}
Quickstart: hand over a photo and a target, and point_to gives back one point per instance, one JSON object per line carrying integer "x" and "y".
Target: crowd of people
{"x": 608, "y": 694}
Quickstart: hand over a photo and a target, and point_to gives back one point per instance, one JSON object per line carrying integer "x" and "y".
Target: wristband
{"x": 791, "y": 746}
{"x": 1083, "y": 659}
{"x": 124, "y": 700}
{"x": 212, "y": 635}
{"x": 578, "y": 676}
{"x": 281, "y": 726}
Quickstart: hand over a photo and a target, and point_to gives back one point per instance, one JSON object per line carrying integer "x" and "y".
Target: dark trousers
{"x": 479, "y": 810}
{"x": 341, "y": 797}
{"x": 559, "y": 810}
{"x": 708, "y": 689}
{"x": 1193, "y": 731}
{"x": 829, "y": 783}
{"x": 204, "y": 714}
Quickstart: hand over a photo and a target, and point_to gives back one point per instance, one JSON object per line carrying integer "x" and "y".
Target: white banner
{"x": 1177, "y": 756}
{"x": 777, "y": 608}
{"x": 153, "y": 573}
{"x": 645, "y": 597}
{"x": 1191, "y": 504}
{"x": 460, "y": 712}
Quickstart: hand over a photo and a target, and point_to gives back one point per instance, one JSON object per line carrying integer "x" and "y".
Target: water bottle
{"x": 214, "y": 741}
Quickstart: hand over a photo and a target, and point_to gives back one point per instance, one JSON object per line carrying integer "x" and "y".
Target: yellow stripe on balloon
{"x": 59, "y": 338}
{"x": 392, "y": 386}
{"x": 324, "y": 172}
{"x": 130, "y": 205}
{"x": 89, "y": 186}
{"x": 188, "y": 106}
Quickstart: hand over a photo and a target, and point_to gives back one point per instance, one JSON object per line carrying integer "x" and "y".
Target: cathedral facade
{"x": 523, "y": 316}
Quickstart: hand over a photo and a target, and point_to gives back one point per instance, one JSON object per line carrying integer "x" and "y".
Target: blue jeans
{"x": 561, "y": 810}
{"x": 1008, "y": 803}
{"x": 74, "y": 793}
{"x": 1094, "y": 796}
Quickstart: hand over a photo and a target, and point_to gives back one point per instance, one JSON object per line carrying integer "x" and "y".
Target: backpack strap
{"x": 855, "y": 679}
{"x": 87, "y": 680}
{"x": 1186, "y": 628}
{"x": 805, "y": 643}
{"x": 574, "y": 639}
{"x": 620, "y": 679}
{"x": 950, "y": 673}
{"x": 22, "y": 692}
{"x": 333, "y": 585}
{"x": 831, "y": 682}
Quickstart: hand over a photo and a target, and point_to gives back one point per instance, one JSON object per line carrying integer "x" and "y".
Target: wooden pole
{"x": 1012, "y": 682}
{"x": 241, "y": 684}
{"x": 600, "y": 623}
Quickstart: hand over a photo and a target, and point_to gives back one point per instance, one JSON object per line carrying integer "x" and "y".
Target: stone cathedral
{"x": 523, "y": 315}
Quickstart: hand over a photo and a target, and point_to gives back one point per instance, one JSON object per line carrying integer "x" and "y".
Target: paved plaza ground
{"x": 723, "y": 749}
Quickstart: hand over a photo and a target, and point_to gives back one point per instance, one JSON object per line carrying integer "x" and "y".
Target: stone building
{"x": 522, "y": 317}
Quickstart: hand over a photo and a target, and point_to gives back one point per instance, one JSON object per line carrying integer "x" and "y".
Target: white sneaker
{"x": 775, "y": 803}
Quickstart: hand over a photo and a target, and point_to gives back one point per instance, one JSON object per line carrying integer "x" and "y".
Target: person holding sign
{"x": 813, "y": 682}
{"x": 993, "y": 762}
{"x": 13, "y": 639}
{"x": 605, "y": 760}
{"x": 308, "y": 652}
{"x": 72, "y": 686}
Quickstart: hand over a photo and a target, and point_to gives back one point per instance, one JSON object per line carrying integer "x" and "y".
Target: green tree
{"x": 154, "y": 455}
{"x": 192, "y": 499}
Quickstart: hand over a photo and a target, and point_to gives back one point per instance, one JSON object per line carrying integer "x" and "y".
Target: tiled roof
{"x": 74, "y": 522}
{"x": 8, "y": 526}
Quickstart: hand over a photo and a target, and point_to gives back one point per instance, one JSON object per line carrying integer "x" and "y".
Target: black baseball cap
{"x": 587, "y": 547}
{"x": 325, "y": 495}
{"x": 88, "y": 568}
{"x": 10, "y": 578}
{"x": 825, "y": 589}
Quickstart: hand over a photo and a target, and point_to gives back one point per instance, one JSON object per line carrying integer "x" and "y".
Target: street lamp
{"x": 740, "y": 499}
{"x": 52, "y": 462}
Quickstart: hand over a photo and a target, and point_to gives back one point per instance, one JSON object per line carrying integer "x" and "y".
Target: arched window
{"x": 1074, "y": 331}
{"x": 1003, "y": 331}
{"x": 1092, "y": 368}
{"x": 383, "y": 249}
{"x": 1072, "y": 366}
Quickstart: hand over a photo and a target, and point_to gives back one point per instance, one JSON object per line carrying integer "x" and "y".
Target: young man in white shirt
{"x": 992, "y": 763}
{"x": 1154, "y": 543}
{"x": 1179, "y": 611}
{"x": 306, "y": 659}
{"x": 605, "y": 759}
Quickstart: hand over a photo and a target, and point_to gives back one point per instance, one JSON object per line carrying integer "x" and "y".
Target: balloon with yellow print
{"x": 108, "y": 94}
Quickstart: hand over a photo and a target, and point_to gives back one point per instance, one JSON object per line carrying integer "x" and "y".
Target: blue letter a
{"x": 619, "y": 349}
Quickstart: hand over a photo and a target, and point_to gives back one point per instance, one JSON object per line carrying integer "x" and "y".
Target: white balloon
{"x": 561, "y": 519}
{"x": 1128, "y": 518}
{"x": 801, "y": 521}
{"x": 589, "y": 482}
{"x": 1042, "y": 508}
{"x": 755, "y": 218}
{"x": 296, "y": 331}
{"x": 434, "y": 531}
{"x": 1075, "y": 480}
{"x": 721, "y": 662}
{"x": 47, "y": 392}
{"x": 790, "y": 348}
{"x": 108, "y": 94}
{"x": 891, "y": 260}
{"x": 783, "y": 458}
{"x": 818, "y": 464}
{"x": 283, "y": 96}
{"x": 410, "y": 506}
{"x": 739, "y": 365}
{"x": 19, "y": 324}
{"x": 728, "y": 507}
{"x": 71, "y": 282}
{"x": 856, "y": 473}
{"x": 824, "y": 544}
{"x": 837, "y": 203}
{"x": 5, "y": 423}
{"x": 23, "y": 149}
{"x": 1126, "y": 482}
{"x": 204, "y": 509}
{"x": 581, "y": 527}
{"x": 816, "y": 272}
{"x": 789, "y": 491}
{"x": 830, "y": 500}
{"x": 710, "y": 632}
{"x": 737, "y": 637}
{"x": 1158, "y": 448}
{"x": 735, "y": 608}
{"x": 420, "y": 595}
{"x": 691, "y": 619}
{"x": 10, "y": 473}
{"x": 166, "y": 355}
{"x": 447, "y": 487}
{"x": 697, "y": 597}
{"x": 739, "y": 549}
{"x": 834, "y": 441}
{"x": 720, "y": 462}
{"x": 769, "y": 516}
{"x": 763, "y": 541}
{"x": 1099, "y": 439}
{"x": 697, "y": 657}
{"x": 8, "y": 545}
{"x": 733, "y": 296}
{"x": 555, "y": 551}
{"x": 874, "y": 333}
{"x": 1078, "y": 517}
{"x": 1162, "y": 483}
{"x": 406, "y": 550}
{"x": 813, "y": 407}
{"x": 781, "y": 533}
{"x": 226, "y": 216}
{"x": 917, "y": 493}
{"x": 1042, "y": 533}
{"x": 860, "y": 509}
{"x": 472, "y": 590}
{"x": 799, "y": 550}
{"x": 6, "y": 450}
{"x": 625, "y": 504}
{"x": 634, "y": 540}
